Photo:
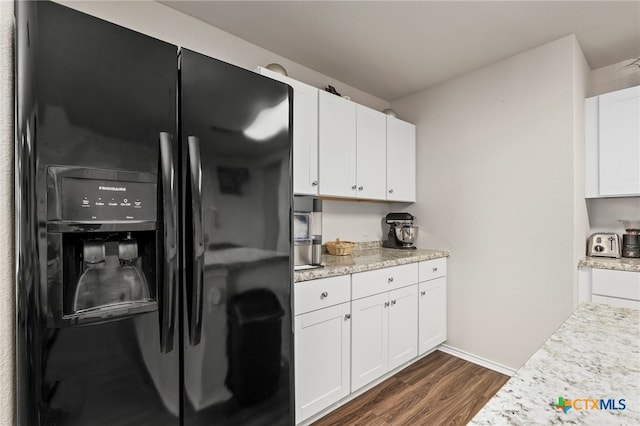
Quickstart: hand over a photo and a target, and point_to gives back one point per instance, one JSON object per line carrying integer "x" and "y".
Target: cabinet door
{"x": 371, "y": 147}
{"x": 369, "y": 339}
{"x": 336, "y": 145}
{"x": 401, "y": 160}
{"x": 322, "y": 354}
{"x": 403, "y": 325}
{"x": 432, "y": 313}
{"x": 619, "y": 142}
{"x": 305, "y": 133}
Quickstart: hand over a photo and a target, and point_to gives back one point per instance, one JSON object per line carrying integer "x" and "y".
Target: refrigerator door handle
{"x": 194, "y": 294}
{"x": 170, "y": 264}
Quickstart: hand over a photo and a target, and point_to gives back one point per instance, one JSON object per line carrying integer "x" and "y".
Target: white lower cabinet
{"x": 617, "y": 288}
{"x": 432, "y": 304}
{"x": 384, "y": 333}
{"x": 322, "y": 346}
{"x": 353, "y": 329}
{"x": 432, "y": 308}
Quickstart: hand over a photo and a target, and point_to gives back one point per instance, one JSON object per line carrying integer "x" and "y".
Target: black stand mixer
{"x": 402, "y": 233}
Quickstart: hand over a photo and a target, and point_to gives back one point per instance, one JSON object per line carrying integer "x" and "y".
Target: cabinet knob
{"x": 393, "y": 302}
{"x": 422, "y": 293}
{"x": 360, "y": 188}
{"x": 324, "y": 295}
{"x": 347, "y": 317}
{"x": 390, "y": 279}
{"x": 354, "y": 187}
{"x": 435, "y": 269}
{"x": 386, "y": 304}
{"x": 391, "y": 191}
{"x": 314, "y": 183}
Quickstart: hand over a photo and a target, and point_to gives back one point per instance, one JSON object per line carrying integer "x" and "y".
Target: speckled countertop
{"x": 366, "y": 257}
{"x": 594, "y": 355}
{"x": 623, "y": 264}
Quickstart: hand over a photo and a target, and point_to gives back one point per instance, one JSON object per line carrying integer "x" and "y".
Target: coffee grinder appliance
{"x": 402, "y": 233}
{"x": 631, "y": 240}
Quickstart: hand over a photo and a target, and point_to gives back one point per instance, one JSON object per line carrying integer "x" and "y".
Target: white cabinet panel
{"x": 403, "y": 325}
{"x": 623, "y": 284}
{"x": 367, "y": 283}
{"x": 305, "y": 133}
{"x": 322, "y": 359}
{"x": 432, "y": 312}
{"x": 371, "y": 128}
{"x": 401, "y": 160}
{"x": 430, "y": 269}
{"x": 337, "y": 145}
{"x": 321, "y": 293}
{"x": 615, "y": 301}
{"x": 612, "y": 144}
{"x": 619, "y": 144}
{"x": 369, "y": 339}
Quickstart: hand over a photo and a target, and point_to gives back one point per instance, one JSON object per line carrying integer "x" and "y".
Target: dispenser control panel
{"x": 106, "y": 200}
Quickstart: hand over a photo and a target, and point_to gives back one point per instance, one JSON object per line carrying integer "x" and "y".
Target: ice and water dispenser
{"x": 103, "y": 240}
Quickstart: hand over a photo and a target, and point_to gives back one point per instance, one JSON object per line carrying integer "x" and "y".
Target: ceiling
{"x": 391, "y": 49}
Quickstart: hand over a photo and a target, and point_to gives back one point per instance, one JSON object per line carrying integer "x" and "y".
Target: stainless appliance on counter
{"x": 604, "y": 245}
{"x": 402, "y": 233}
{"x": 123, "y": 144}
{"x": 307, "y": 232}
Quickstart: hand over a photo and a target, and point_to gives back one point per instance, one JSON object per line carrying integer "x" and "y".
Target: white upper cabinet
{"x": 401, "y": 160}
{"x": 337, "y": 145}
{"x": 612, "y": 144}
{"x": 305, "y": 133}
{"x": 371, "y": 153}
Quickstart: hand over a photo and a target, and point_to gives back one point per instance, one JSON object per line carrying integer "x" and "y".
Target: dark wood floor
{"x": 440, "y": 389}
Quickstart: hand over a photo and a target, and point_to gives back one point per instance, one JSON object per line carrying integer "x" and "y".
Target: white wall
{"x": 7, "y": 281}
{"x": 496, "y": 188}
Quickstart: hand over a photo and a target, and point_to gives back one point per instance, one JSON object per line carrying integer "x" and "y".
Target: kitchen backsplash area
{"x": 358, "y": 220}
{"x": 605, "y": 213}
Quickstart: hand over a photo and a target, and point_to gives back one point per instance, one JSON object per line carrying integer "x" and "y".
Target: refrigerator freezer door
{"x": 91, "y": 96}
{"x": 238, "y": 372}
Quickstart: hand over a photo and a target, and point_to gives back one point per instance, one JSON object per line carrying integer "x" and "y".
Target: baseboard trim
{"x": 483, "y": 362}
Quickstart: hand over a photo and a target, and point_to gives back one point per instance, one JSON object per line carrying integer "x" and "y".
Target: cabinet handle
{"x": 422, "y": 293}
{"x": 324, "y": 295}
{"x": 393, "y": 302}
{"x": 360, "y": 188}
{"x": 347, "y": 317}
{"x": 386, "y": 304}
{"x": 354, "y": 187}
{"x": 314, "y": 183}
{"x": 435, "y": 269}
{"x": 391, "y": 191}
{"x": 390, "y": 279}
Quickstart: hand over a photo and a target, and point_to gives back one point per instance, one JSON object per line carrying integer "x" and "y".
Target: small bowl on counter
{"x": 340, "y": 248}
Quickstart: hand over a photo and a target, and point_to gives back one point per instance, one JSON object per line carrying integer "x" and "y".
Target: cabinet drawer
{"x": 430, "y": 269}
{"x": 380, "y": 280}
{"x": 321, "y": 293}
{"x": 622, "y": 284}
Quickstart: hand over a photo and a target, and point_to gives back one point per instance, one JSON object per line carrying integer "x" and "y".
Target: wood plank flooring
{"x": 440, "y": 389}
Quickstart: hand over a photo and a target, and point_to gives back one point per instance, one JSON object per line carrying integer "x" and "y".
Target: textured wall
{"x": 496, "y": 188}
{"x": 7, "y": 288}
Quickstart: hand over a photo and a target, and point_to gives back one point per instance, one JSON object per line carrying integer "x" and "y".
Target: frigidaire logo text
{"x": 585, "y": 404}
{"x": 113, "y": 188}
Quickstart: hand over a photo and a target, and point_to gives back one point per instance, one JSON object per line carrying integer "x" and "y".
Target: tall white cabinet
{"x": 612, "y": 144}
{"x": 371, "y": 153}
{"x": 305, "y": 133}
{"x": 401, "y": 160}
{"x": 337, "y": 145}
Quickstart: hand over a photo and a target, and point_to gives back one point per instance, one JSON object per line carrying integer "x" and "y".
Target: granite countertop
{"x": 594, "y": 355}
{"x": 623, "y": 264}
{"x": 365, "y": 258}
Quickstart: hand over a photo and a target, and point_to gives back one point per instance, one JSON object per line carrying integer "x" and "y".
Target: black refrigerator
{"x": 153, "y": 231}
